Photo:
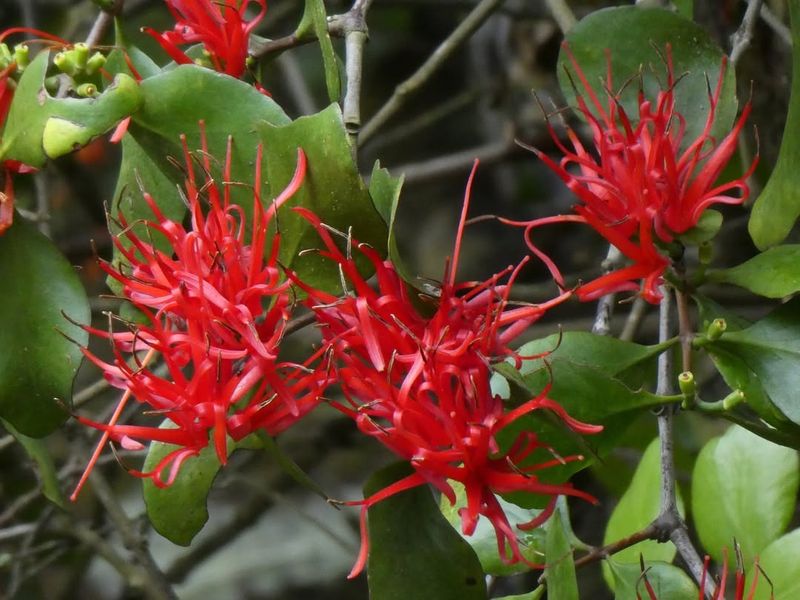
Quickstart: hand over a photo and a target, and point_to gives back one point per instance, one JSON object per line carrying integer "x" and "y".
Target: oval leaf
{"x": 668, "y": 582}
{"x": 771, "y": 349}
{"x": 744, "y": 489}
{"x": 781, "y": 562}
{"x": 637, "y": 508}
{"x": 414, "y": 552}
{"x": 38, "y": 363}
{"x": 637, "y": 39}
{"x": 777, "y": 208}
{"x": 775, "y": 273}
{"x": 484, "y": 540}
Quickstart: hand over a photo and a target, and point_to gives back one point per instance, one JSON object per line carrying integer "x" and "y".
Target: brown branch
{"x": 648, "y": 533}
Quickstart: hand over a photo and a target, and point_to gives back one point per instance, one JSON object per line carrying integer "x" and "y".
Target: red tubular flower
{"x": 218, "y": 24}
{"x": 216, "y": 305}
{"x": 643, "y": 182}
{"x": 719, "y": 591}
{"x": 421, "y": 384}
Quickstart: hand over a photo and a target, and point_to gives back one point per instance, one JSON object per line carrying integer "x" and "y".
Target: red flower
{"x": 216, "y": 305}
{"x": 639, "y": 186}
{"x": 420, "y": 384}
{"x": 218, "y": 24}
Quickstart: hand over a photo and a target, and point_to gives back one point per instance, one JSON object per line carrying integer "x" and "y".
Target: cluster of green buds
{"x": 80, "y": 66}
{"x": 20, "y": 56}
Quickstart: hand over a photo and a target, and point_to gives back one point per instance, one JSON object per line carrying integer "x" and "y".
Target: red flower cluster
{"x": 642, "y": 183}
{"x": 719, "y": 590}
{"x": 219, "y": 25}
{"x": 421, "y": 384}
{"x": 216, "y": 304}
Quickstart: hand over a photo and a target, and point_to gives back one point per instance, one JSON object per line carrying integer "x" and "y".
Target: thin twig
{"x": 153, "y": 579}
{"x": 562, "y": 14}
{"x": 634, "y": 320}
{"x": 782, "y": 31}
{"x": 355, "y": 37}
{"x": 740, "y": 40}
{"x": 446, "y": 49}
{"x": 596, "y": 554}
{"x": 605, "y": 306}
{"x": 102, "y": 23}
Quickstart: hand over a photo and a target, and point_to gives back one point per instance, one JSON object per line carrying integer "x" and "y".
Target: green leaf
{"x": 638, "y": 507}
{"x": 637, "y": 39}
{"x": 668, "y": 582}
{"x": 41, "y": 127}
{"x": 414, "y": 552}
{"x": 560, "y": 571}
{"x": 333, "y": 189}
{"x": 38, "y": 452}
{"x": 180, "y": 511}
{"x": 706, "y": 229}
{"x": 778, "y": 206}
{"x": 534, "y": 595}
{"x": 710, "y": 310}
{"x": 744, "y": 488}
{"x": 775, "y": 273}
{"x": 588, "y": 395}
{"x": 781, "y": 562}
{"x": 316, "y": 18}
{"x": 37, "y": 363}
{"x": 685, "y": 8}
{"x": 176, "y": 100}
{"x": 385, "y": 192}
{"x": 771, "y": 350}
{"x": 484, "y": 540}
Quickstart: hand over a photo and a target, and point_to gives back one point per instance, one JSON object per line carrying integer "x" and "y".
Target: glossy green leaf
{"x": 777, "y": 207}
{"x": 484, "y": 540}
{"x": 414, "y": 552}
{"x": 744, "y": 488}
{"x": 41, "y": 127}
{"x": 560, "y": 572}
{"x": 180, "y": 511}
{"x": 588, "y": 395}
{"x": 39, "y": 454}
{"x": 668, "y": 582}
{"x": 638, "y": 507}
{"x": 781, "y": 562}
{"x": 316, "y": 19}
{"x": 37, "y": 363}
{"x": 771, "y": 350}
{"x": 176, "y": 100}
{"x": 636, "y": 39}
{"x": 333, "y": 189}
{"x": 385, "y": 192}
{"x": 775, "y": 273}
{"x": 536, "y": 594}
{"x": 710, "y": 310}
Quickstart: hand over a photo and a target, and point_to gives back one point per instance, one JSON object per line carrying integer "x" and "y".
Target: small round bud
{"x": 687, "y": 384}
{"x": 716, "y": 329}
{"x": 732, "y": 399}
{"x": 80, "y": 53}
{"x": 705, "y": 253}
{"x": 87, "y": 90}
{"x": 95, "y": 63}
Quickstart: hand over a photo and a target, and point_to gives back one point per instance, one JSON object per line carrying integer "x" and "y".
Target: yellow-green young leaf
{"x": 777, "y": 208}
{"x": 637, "y": 508}
{"x": 668, "y": 582}
{"x": 744, "y": 488}
{"x": 37, "y": 361}
{"x": 560, "y": 571}
{"x": 39, "y": 126}
{"x": 774, "y": 273}
{"x": 414, "y": 552}
{"x": 781, "y": 562}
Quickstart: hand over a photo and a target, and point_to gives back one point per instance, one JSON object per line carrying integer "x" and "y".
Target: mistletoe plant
{"x": 257, "y": 283}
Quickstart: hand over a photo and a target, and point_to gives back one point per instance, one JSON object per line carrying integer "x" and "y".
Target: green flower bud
{"x": 22, "y": 56}
{"x": 705, "y": 253}
{"x": 5, "y": 56}
{"x": 716, "y": 329}
{"x": 95, "y": 63}
{"x": 65, "y": 61}
{"x": 732, "y": 399}
{"x": 80, "y": 53}
{"x": 687, "y": 384}
{"x": 87, "y": 90}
